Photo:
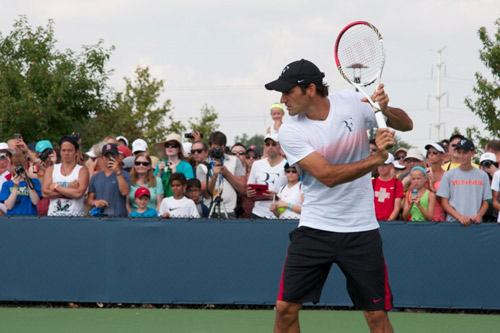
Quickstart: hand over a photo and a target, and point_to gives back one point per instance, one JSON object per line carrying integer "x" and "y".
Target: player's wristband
{"x": 290, "y": 206}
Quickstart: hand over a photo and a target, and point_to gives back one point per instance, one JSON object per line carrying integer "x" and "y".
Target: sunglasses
{"x": 274, "y": 144}
{"x": 290, "y": 171}
{"x": 432, "y": 153}
{"x": 196, "y": 151}
{"x": 142, "y": 163}
{"x": 251, "y": 157}
{"x": 241, "y": 153}
{"x": 171, "y": 145}
{"x": 373, "y": 149}
{"x": 400, "y": 157}
{"x": 3, "y": 156}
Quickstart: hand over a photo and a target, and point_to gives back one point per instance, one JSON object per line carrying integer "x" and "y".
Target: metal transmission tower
{"x": 438, "y": 96}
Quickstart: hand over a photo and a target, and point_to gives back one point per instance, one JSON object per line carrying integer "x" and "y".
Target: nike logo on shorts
{"x": 377, "y": 300}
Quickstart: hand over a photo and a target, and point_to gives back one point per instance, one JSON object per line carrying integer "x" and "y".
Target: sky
{"x": 221, "y": 53}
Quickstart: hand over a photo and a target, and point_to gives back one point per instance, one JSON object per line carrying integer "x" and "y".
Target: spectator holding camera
{"x": 46, "y": 156}
{"x": 225, "y": 175}
{"x": 174, "y": 160}
{"x": 5, "y": 175}
{"x": 65, "y": 183}
{"x": 20, "y": 194}
{"x": 108, "y": 189}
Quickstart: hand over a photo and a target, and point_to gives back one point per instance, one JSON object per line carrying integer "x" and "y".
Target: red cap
{"x": 124, "y": 150}
{"x": 142, "y": 191}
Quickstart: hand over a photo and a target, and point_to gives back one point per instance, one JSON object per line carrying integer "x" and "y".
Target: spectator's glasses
{"x": 373, "y": 149}
{"x": 400, "y": 157}
{"x": 432, "y": 152}
{"x": 137, "y": 163}
{"x": 241, "y": 153}
{"x": 251, "y": 157}
{"x": 486, "y": 164}
{"x": 290, "y": 171}
{"x": 274, "y": 144}
{"x": 3, "y": 156}
{"x": 171, "y": 145}
{"x": 196, "y": 151}
{"x": 454, "y": 146}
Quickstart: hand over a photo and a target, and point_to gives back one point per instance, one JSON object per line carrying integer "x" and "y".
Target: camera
{"x": 217, "y": 153}
{"x": 189, "y": 135}
{"x": 18, "y": 136}
{"x": 20, "y": 170}
{"x": 45, "y": 154}
{"x": 489, "y": 163}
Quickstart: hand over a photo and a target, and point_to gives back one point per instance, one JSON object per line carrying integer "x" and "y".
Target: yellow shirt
{"x": 451, "y": 166}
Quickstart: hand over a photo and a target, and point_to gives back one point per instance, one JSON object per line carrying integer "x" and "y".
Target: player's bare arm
{"x": 332, "y": 175}
{"x": 396, "y": 117}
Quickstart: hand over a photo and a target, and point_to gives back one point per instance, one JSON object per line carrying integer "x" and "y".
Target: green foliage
{"x": 399, "y": 143}
{"x": 135, "y": 112}
{"x": 45, "y": 93}
{"x": 207, "y": 123}
{"x": 486, "y": 106}
{"x": 256, "y": 139}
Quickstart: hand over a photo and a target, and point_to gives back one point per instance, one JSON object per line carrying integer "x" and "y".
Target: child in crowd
{"x": 419, "y": 203}
{"x": 178, "y": 205}
{"x": 289, "y": 205}
{"x": 193, "y": 192}
{"x": 141, "y": 197}
{"x": 388, "y": 192}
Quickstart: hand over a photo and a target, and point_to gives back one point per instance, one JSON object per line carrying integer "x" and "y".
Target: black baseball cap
{"x": 110, "y": 148}
{"x": 466, "y": 145}
{"x": 298, "y": 73}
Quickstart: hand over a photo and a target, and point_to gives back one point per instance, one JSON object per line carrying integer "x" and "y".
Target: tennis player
{"x": 326, "y": 140}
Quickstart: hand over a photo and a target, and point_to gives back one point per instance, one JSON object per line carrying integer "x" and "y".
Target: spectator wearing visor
{"x": 65, "y": 183}
{"x": 108, "y": 189}
{"x": 388, "y": 192}
{"x": 435, "y": 156}
{"x": 141, "y": 146}
{"x": 488, "y": 163}
{"x": 465, "y": 190}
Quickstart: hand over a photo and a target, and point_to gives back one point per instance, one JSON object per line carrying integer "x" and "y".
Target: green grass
{"x": 222, "y": 321}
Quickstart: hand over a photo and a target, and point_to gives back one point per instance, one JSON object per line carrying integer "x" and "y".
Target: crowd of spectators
{"x": 198, "y": 178}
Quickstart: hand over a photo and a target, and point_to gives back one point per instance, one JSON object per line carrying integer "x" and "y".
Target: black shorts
{"x": 359, "y": 255}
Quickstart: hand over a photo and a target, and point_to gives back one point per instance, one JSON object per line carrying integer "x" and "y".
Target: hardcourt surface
{"x": 221, "y": 321}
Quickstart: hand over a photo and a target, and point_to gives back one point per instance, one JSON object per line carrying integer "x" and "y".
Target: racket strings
{"x": 360, "y": 53}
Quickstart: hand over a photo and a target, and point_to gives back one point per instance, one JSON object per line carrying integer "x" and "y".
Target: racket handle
{"x": 379, "y": 116}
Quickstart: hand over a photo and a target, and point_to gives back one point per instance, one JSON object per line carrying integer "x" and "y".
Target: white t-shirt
{"x": 274, "y": 176}
{"x": 341, "y": 138}
{"x": 291, "y": 195}
{"x": 178, "y": 208}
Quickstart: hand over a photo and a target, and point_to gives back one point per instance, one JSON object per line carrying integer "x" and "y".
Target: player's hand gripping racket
{"x": 360, "y": 58}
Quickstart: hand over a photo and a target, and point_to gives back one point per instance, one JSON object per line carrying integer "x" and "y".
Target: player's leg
{"x": 378, "y": 321}
{"x": 287, "y": 317}
{"x": 306, "y": 268}
{"x": 362, "y": 262}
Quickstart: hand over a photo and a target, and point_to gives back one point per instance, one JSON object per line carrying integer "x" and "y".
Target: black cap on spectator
{"x": 110, "y": 148}
{"x": 466, "y": 145}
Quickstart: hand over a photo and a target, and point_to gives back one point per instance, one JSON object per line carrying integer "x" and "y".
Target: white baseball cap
{"x": 139, "y": 145}
{"x": 488, "y": 157}
{"x": 390, "y": 159}
{"x": 5, "y": 146}
{"x": 118, "y": 138}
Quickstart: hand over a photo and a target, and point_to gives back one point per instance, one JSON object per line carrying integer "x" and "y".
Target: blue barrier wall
{"x": 440, "y": 265}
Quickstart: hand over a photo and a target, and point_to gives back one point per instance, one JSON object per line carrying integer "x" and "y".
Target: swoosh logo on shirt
{"x": 171, "y": 209}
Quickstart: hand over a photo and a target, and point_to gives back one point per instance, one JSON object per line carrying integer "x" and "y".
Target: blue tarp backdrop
{"x": 442, "y": 265}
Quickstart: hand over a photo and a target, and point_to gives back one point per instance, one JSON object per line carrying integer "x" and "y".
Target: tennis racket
{"x": 360, "y": 58}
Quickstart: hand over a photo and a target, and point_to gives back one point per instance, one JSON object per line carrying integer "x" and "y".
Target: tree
{"x": 207, "y": 123}
{"x": 135, "y": 112}
{"x": 45, "y": 93}
{"x": 487, "y": 106}
{"x": 255, "y": 140}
